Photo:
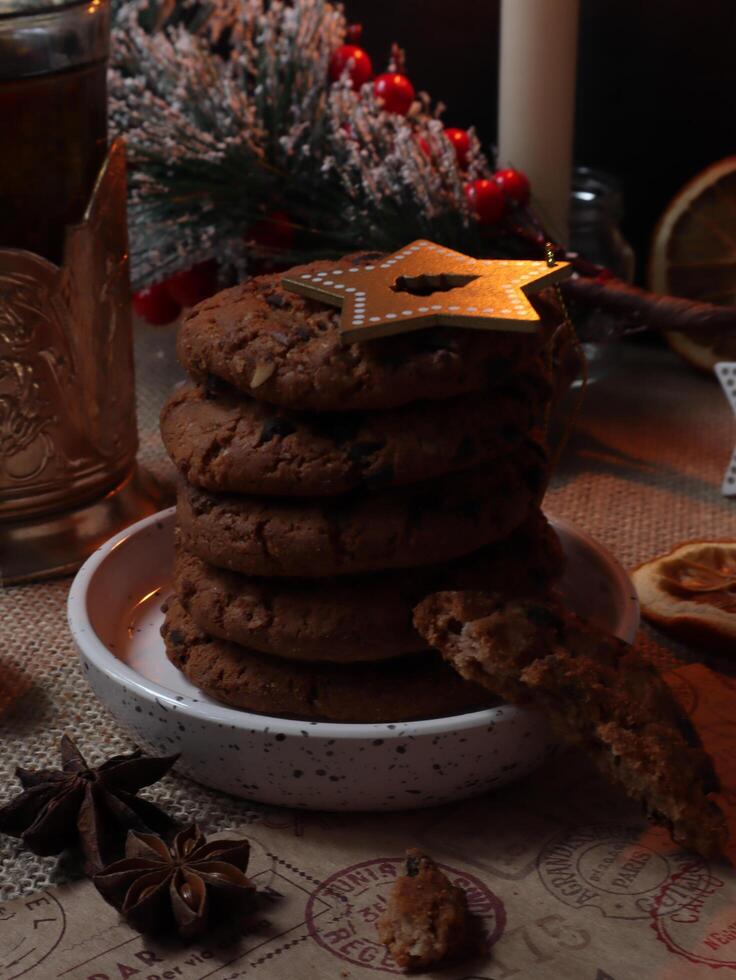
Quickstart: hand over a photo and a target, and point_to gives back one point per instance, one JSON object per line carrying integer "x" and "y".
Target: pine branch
{"x": 229, "y": 115}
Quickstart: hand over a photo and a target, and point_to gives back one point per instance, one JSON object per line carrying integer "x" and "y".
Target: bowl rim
{"x": 92, "y": 648}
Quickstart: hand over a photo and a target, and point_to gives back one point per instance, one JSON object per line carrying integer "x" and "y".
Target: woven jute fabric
{"x": 641, "y": 472}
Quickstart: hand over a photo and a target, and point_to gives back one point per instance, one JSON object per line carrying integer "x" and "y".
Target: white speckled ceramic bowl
{"x": 115, "y": 614}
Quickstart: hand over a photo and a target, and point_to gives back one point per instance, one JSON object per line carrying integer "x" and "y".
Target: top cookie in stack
{"x": 328, "y": 487}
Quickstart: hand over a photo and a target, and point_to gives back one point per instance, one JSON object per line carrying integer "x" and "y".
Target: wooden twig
{"x": 594, "y": 290}
{"x": 641, "y": 308}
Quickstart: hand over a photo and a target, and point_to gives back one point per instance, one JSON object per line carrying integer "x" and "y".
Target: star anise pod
{"x": 92, "y": 808}
{"x": 158, "y": 887}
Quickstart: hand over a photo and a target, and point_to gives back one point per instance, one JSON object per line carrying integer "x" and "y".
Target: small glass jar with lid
{"x": 596, "y": 210}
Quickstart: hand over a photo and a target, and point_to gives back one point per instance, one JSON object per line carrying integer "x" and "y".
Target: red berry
{"x": 191, "y": 286}
{"x": 353, "y": 33}
{"x": 424, "y": 146}
{"x": 514, "y": 184}
{"x": 486, "y": 201}
{"x": 396, "y": 92}
{"x": 275, "y": 231}
{"x": 355, "y": 60}
{"x": 461, "y": 141}
{"x": 155, "y": 305}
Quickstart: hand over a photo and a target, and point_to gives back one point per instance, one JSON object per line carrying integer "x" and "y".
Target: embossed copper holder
{"x": 68, "y": 435}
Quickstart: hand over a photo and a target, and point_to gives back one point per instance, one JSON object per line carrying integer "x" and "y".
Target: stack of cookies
{"x": 327, "y": 488}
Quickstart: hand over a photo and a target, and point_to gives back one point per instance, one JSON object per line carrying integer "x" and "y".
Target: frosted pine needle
{"x": 229, "y": 115}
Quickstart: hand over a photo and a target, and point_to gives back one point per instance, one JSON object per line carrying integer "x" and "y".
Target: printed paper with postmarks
{"x": 569, "y": 881}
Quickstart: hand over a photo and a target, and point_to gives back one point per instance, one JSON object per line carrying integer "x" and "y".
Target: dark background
{"x": 656, "y": 95}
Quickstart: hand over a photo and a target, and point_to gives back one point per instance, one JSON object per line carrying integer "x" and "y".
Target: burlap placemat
{"x": 642, "y": 472}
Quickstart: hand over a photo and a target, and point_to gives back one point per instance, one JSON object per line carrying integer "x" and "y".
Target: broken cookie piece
{"x": 597, "y": 691}
{"x": 427, "y": 920}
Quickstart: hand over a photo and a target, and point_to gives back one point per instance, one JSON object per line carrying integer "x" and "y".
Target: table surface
{"x": 641, "y": 472}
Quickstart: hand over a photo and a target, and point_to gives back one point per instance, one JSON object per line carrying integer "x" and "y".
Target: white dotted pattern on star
{"x": 493, "y": 297}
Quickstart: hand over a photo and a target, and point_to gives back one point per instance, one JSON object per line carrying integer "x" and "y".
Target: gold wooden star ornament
{"x": 428, "y": 285}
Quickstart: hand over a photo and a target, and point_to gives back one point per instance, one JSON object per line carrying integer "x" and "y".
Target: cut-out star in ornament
{"x": 427, "y": 285}
{"x": 726, "y": 374}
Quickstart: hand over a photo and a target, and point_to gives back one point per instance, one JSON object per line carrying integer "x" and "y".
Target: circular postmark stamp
{"x": 695, "y": 919}
{"x": 342, "y": 911}
{"x": 613, "y": 868}
{"x": 30, "y": 929}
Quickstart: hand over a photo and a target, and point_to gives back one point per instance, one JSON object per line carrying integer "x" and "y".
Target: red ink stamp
{"x": 342, "y": 912}
{"x": 611, "y": 868}
{"x": 30, "y": 929}
{"x": 694, "y": 919}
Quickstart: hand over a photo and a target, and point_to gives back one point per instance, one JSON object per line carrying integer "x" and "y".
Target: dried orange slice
{"x": 694, "y": 256}
{"x": 691, "y": 593}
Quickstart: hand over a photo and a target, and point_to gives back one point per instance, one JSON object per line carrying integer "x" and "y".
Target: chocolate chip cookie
{"x": 223, "y": 441}
{"x": 284, "y": 349}
{"x": 363, "y": 532}
{"x": 397, "y": 690}
{"x": 598, "y": 692}
{"x": 356, "y": 618}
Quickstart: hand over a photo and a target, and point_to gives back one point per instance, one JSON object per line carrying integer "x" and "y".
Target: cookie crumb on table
{"x": 427, "y": 920}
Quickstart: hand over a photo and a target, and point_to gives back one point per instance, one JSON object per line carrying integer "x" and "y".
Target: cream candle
{"x": 537, "y": 100}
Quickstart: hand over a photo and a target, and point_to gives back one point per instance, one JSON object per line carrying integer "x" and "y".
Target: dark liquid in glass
{"x": 54, "y": 139}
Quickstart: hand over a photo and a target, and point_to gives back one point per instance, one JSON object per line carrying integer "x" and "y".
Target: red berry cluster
{"x": 490, "y": 199}
{"x": 162, "y": 302}
{"x": 394, "y": 90}
{"x": 274, "y": 232}
{"x": 354, "y": 60}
